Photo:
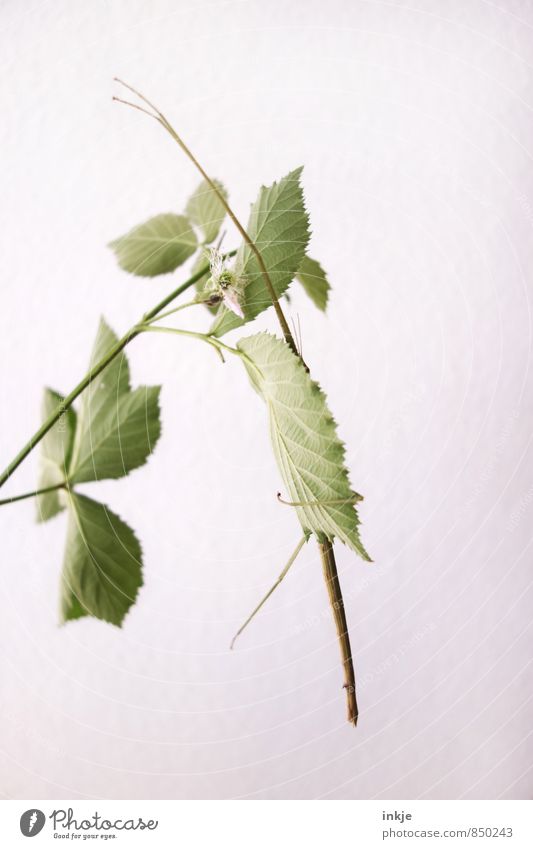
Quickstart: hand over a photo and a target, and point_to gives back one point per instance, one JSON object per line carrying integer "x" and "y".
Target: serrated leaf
{"x": 279, "y": 227}
{"x": 156, "y": 247}
{"x": 313, "y": 278}
{"x": 121, "y": 438}
{"x": 56, "y": 450}
{"x": 102, "y": 569}
{"x": 308, "y": 451}
{"x": 117, "y": 428}
{"x": 206, "y": 210}
{"x": 116, "y": 375}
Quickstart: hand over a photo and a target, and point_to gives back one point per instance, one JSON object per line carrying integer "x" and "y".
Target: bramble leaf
{"x": 117, "y": 427}
{"x": 206, "y": 211}
{"x": 121, "y": 438}
{"x": 102, "y": 568}
{"x": 56, "y": 449}
{"x": 279, "y": 227}
{"x": 313, "y": 278}
{"x": 308, "y": 451}
{"x": 158, "y": 246}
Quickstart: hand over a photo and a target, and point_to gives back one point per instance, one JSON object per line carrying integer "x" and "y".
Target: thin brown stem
{"x": 337, "y": 605}
{"x": 159, "y": 116}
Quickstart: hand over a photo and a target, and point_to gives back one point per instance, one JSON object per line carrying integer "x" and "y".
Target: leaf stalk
{"x": 265, "y": 598}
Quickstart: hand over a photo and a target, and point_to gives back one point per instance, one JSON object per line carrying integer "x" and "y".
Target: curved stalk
{"x": 33, "y": 494}
{"x": 158, "y": 116}
{"x": 326, "y": 548}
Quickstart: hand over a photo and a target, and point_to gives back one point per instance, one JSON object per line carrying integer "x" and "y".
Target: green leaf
{"x": 206, "y": 210}
{"x": 110, "y": 384}
{"x": 279, "y": 227}
{"x": 313, "y": 278}
{"x": 156, "y": 247}
{"x": 117, "y": 428}
{"x": 102, "y": 569}
{"x": 308, "y": 451}
{"x": 121, "y": 438}
{"x": 56, "y": 449}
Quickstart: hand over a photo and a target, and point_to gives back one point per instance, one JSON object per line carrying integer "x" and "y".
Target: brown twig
{"x": 157, "y": 115}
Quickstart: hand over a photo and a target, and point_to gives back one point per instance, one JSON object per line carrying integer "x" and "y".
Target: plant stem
{"x": 204, "y": 337}
{"x": 337, "y": 604}
{"x": 33, "y": 494}
{"x": 158, "y": 116}
{"x": 249, "y": 241}
{"x": 95, "y": 371}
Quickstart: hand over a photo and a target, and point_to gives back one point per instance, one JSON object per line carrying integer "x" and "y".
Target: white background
{"x": 414, "y": 123}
